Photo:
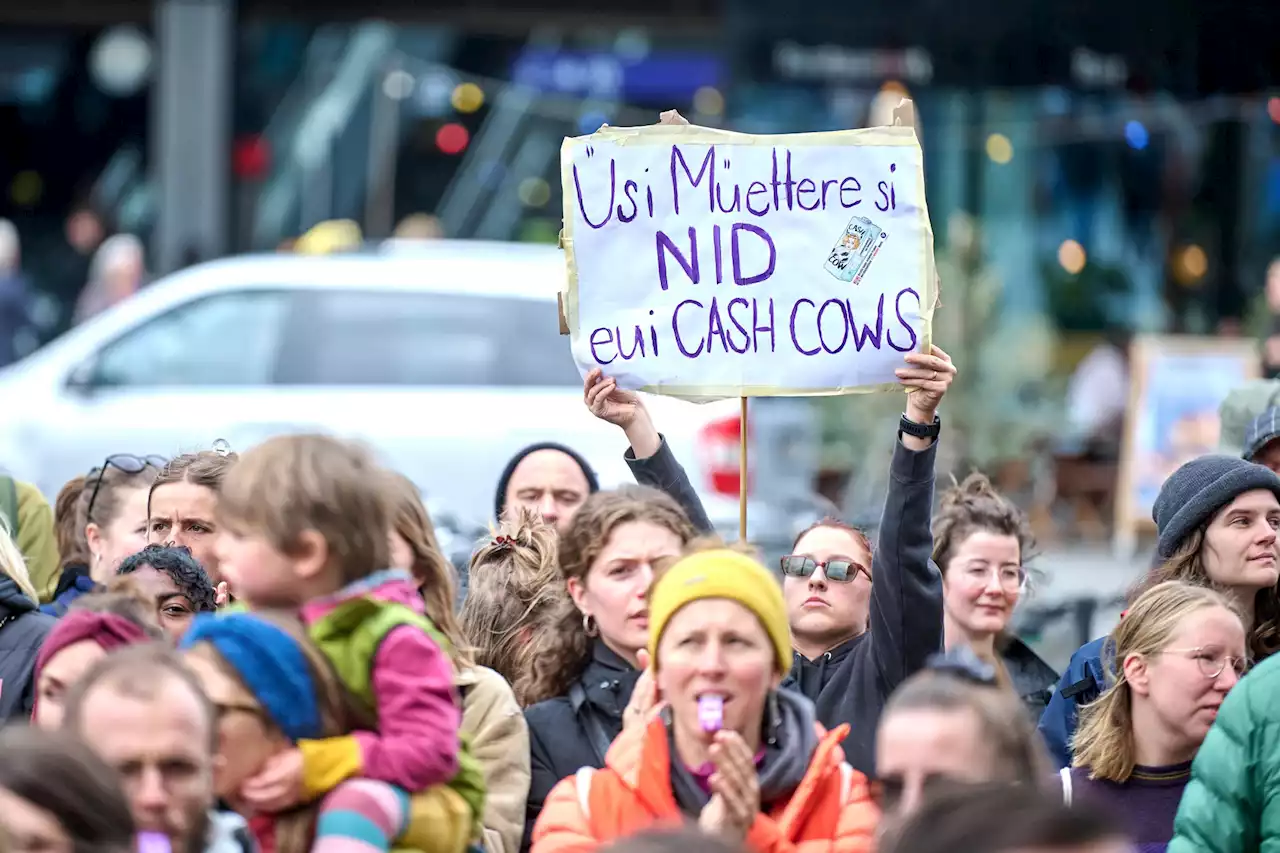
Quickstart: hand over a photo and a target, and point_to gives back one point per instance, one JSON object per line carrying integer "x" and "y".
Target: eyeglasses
{"x": 125, "y": 463}
{"x": 1212, "y": 661}
{"x": 1010, "y": 578}
{"x": 838, "y": 570}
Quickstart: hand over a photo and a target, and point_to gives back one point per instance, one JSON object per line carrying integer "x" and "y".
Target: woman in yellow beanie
{"x": 728, "y": 749}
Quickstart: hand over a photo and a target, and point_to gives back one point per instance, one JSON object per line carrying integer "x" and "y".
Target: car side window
{"x": 441, "y": 339}
{"x": 220, "y": 340}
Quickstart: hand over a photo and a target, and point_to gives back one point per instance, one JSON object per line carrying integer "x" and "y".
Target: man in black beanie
{"x": 547, "y": 477}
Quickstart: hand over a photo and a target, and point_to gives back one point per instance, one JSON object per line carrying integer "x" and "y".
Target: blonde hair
{"x": 430, "y": 568}
{"x": 562, "y": 648}
{"x": 13, "y": 565}
{"x": 1186, "y": 564}
{"x": 1104, "y": 741}
{"x": 513, "y": 588}
{"x": 295, "y": 483}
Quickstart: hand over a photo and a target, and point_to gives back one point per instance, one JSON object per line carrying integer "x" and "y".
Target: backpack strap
{"x": 9, "y": 504}
{"x": 1065, "y": 775}
{"x": 591, "y": 723}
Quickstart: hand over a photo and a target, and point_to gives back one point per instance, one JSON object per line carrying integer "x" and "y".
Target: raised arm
{"x": 649, "y": 457}
{"x": 906, "y": 586}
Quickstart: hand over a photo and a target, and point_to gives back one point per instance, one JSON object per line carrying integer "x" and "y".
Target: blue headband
{"x": 271, "y": 665}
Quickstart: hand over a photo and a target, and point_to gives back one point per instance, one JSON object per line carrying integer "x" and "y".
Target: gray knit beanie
{"x": 1198, "y": 489}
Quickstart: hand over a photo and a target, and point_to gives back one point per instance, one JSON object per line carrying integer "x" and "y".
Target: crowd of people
{"x": 267, "y": 651}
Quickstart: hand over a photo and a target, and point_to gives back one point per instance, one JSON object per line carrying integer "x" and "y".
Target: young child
{"x": 305, "y": 522}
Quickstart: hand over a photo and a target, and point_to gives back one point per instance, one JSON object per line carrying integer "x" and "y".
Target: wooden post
{"x": 742, "y": 474}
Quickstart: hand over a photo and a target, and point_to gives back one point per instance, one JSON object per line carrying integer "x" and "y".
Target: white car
{"x": 446, "y": 359}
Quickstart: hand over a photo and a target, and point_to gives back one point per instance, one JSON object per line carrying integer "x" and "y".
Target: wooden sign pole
{"x": 742, "y": 474}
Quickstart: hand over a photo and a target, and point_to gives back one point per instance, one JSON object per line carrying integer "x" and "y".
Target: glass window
{"x": 227, "y": 339}
{"x": 362, "y": 338}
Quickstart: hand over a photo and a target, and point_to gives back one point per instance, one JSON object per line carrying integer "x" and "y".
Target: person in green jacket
{"x": 29, "y": 518}
{"x": 1232, "y": 803}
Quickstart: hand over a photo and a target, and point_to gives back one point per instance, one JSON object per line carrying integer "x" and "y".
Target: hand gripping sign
{"x": 706, "y": 264}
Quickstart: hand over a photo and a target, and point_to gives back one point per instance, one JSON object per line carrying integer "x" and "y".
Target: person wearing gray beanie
{"x": 1235, "y": 505}
{"x": 1196, "y": 491}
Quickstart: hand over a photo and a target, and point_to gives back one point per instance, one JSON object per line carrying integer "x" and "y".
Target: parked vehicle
{"x": 446, "y": 359}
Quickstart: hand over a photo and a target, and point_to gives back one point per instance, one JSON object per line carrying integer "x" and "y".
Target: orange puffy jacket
{"x": 830, "y": 812}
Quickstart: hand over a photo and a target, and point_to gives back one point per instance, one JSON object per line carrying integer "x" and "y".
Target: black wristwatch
{"x": 906, "y": 426}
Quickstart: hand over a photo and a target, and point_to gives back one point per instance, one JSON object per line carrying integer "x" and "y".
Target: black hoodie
{"x": 851, "y": 683}
{"x": 22, "y": 630}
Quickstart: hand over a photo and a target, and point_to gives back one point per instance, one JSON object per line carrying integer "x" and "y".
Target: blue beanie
{"x": 271, "y": 665}
{"x": 1200, "y": 488}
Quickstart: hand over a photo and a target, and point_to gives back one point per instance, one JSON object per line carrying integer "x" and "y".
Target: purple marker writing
{"x": 711, "y": 713}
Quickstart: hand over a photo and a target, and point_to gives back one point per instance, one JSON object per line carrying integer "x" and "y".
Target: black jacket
{"x": 568, "y": 733}
{"x": 664, "y": 472}
{"x": 1033, "y": 679}
{"x": 22, "y": 630}
{"x": 851, "y": 683}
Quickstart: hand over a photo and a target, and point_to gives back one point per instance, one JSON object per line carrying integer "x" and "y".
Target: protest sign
{"x": 705, "y": 264}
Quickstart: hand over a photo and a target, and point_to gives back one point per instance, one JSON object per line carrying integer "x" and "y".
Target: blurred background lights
{"x": 435, "y": 92}
{"x": 26, "y": 189}
{"x": 1071, "y": 256}
{"x": 452, "y": 138}
{"x": 591, "y": 121}
{"x": 1190, "y": 265}
{"x": 1136, "y": 135}
{"x": 999, "y": 148}
{"x": 467, "y": 98}
{"x": 1273, "y": 109}
{"x": 632, "y": 44}
{"x": 534, "y": 192}
{"x": 398, "y": 85}
{"x": 708, "y": 101}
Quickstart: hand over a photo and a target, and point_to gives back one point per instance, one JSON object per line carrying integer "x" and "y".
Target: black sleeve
{"x": 543, "y": 778}
{"x": 664, "y": 472}
{"x": 906, "y": 586}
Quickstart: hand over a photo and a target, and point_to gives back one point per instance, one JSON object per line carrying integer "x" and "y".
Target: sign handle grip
{"x": 742, "y": 473}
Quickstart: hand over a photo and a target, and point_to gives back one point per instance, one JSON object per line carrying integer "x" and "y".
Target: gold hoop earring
{"x": 589, "y": 625}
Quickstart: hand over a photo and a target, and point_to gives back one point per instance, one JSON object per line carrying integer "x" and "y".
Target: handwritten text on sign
{"x": 713, "y": 264}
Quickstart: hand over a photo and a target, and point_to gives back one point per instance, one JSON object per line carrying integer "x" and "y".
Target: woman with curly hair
{"x": 588, "y": 658}
{"x": 170, "y": 576}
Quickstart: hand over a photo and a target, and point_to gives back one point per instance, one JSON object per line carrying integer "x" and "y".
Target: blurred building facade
{"x": 1124, "y": 175}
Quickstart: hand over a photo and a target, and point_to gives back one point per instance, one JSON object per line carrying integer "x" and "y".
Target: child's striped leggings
{"x": 361, "y": 816}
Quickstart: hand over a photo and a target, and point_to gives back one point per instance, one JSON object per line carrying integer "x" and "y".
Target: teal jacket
{"x": 1232, "y": 803}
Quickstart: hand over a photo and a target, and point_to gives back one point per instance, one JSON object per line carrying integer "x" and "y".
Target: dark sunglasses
{"x": 836, "y": 571}
{"x": 125, "y": 463}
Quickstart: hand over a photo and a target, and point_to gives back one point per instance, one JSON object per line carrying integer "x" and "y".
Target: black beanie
{"x": 500, "y": 499}
{"x": 1200, "y": 488}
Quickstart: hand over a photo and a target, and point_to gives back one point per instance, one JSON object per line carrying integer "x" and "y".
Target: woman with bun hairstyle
{"x": 728, "y": 750}
{"x": 982, "y": 542}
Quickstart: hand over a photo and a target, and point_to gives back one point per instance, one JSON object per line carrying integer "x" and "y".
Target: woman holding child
{"x": 305, "y": 528}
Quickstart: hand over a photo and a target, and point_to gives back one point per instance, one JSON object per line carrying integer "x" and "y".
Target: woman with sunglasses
{"x": 1177, "y": 653}
{"x": 980, "y": 541}
{"x": 111, "y": 523}
{"x": 953, "y": 725}
{"x": 861, "y": 624}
